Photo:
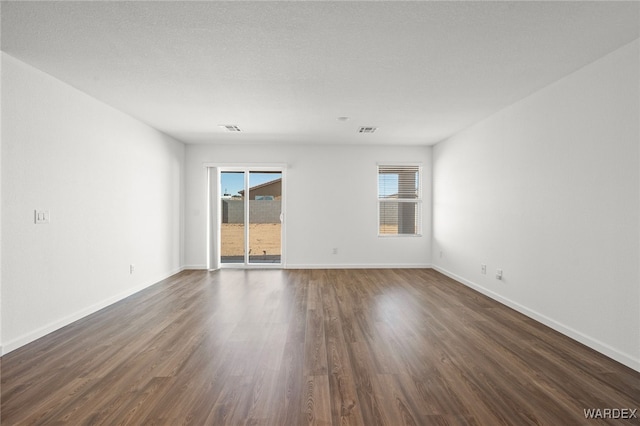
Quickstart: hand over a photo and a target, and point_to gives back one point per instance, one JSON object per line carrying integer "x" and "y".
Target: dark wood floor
{"x": 274, "y": 347}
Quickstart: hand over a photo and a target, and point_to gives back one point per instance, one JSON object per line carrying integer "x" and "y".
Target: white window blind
{"x": 399, "y": 200}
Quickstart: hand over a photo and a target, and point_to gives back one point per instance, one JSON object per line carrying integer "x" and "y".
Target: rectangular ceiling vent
{"x": 367, "y": 129}
{"x": 230, "y": 128}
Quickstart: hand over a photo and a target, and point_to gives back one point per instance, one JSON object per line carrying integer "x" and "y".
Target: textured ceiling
{"x": 285, "y": 71}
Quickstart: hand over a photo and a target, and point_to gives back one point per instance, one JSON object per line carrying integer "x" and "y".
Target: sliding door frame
{"x": 214, "y": 213}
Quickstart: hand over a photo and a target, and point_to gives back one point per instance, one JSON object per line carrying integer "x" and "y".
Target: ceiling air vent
{"x": 367, "y": 129}
{"x": 230, "y": 128}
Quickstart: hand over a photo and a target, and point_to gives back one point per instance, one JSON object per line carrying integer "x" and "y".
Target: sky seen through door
{"x": 233, "y": 182}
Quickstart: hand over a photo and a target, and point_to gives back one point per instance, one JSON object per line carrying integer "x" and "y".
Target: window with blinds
{"x": 399, "y": 200}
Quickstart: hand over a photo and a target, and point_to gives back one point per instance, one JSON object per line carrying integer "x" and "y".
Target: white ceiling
{"x": 285, "y": 71}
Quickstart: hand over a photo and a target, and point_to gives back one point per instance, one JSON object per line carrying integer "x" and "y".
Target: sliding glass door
{"x": 232, "y": 217}
{"x": 250, "y": 219}
{"x": 265, "y": 217}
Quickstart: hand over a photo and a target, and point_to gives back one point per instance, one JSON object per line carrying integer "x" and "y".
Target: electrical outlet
{"x": 132, "y": 268}
{"x": 334, "y": 250}
{"x": 483, "y": 269}
{"x": 498, "y": 274}
{"x": 440, "y": 253}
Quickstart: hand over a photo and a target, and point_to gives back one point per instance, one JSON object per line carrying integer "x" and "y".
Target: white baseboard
{"x": 594, "y": 344}
{"x": 56, "y": 325}
{"x": 360, "y": 266}
{"x": 194, "y": 267}
{"x": 327, "y": 266}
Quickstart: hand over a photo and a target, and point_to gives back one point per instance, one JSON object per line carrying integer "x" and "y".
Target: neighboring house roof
{"x": 396, "y": 195}
{"x": 271, "y": 182}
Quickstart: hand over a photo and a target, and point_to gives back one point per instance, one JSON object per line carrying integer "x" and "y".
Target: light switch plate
{"x": 41, "y": 217}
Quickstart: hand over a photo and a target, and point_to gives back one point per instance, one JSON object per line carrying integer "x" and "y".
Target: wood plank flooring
{"x": 298, "y": 347}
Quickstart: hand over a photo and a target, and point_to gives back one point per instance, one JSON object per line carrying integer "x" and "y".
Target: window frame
{"x": 418, "y": 201}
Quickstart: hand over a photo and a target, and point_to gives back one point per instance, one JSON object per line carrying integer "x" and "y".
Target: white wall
{"x": 0, "y": 195}
{"x": 318, "y": 179}
{"x": 548, "y": 190}
{"x": 113, "y": 186}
